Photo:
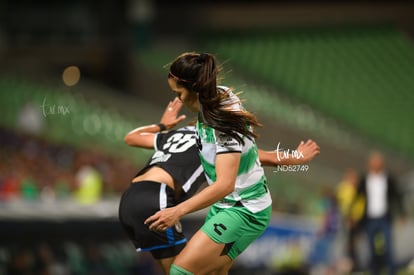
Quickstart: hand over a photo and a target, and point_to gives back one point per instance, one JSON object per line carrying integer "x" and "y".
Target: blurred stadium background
{"x": 76, "y": 76}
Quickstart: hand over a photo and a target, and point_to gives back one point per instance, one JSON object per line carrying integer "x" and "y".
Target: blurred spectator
{"x": 351, "y": 215}
{"x": 47, "y": 193}
{"x": 30, "y": 119}
{"x": 62, "y": 187}
{"x": 22, "y": 262}
{"x": 94, "y": 262}
{"x": 90, "y": 185}
{"x": 380, "y": 192}
{"x": 28, "y": 189}
{"x": 9, "y": 188}
{"x": 32, "y": 168}
{"x": 47, "y": 262}
{"x": 323, "y": 253}
{"x": 73, "y": 257}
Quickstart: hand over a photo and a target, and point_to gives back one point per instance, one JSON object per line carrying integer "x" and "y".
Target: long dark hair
{"x": 198, "y": 73}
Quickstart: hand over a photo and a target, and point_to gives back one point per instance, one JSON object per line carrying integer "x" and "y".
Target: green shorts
{"x": 236, "y": 227}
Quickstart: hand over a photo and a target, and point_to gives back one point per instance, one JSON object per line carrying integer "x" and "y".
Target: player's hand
{"x": 170, "y": 117}
{"x": 309, "y": 150}
{"x": 163, "y": 219}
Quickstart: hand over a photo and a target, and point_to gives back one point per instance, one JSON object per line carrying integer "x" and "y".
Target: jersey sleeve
{"x": 159, "y": 140}
{"x": 227, "y": 144}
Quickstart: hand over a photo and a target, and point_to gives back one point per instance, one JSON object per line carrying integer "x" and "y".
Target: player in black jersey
{"x": 172, "y": 174}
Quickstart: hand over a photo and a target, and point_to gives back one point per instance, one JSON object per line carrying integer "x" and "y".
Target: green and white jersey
{"x": 250, "y": 187}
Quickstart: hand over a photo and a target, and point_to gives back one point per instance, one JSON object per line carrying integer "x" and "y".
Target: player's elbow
{"x": 129, "y": 140}
{"x": 228, "y": 188}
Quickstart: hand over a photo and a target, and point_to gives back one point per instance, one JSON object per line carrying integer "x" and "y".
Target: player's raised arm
{"x": 304, "y": 153}
{"x": 144, "y": 136}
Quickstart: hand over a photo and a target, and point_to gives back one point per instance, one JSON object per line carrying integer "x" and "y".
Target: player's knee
{"x": 178, "y": 270}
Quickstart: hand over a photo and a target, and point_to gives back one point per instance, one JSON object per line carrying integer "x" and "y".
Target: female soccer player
{"x": 172, "y": 174}
{"x": 237, "y": 192}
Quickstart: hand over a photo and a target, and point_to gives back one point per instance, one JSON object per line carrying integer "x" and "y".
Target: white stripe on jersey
{"x": 187, "y": 185}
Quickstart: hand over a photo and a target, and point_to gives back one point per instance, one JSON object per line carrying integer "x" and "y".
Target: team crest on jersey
{"x": 226, "y": 140}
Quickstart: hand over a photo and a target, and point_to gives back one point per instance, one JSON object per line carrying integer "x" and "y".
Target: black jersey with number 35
{"x": 176, "y": 152}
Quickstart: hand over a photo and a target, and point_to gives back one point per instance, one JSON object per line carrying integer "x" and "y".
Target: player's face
{"x": 189, "y": 99}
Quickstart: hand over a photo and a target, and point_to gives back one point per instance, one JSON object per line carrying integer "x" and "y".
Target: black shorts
{"x": 138, "y": 202}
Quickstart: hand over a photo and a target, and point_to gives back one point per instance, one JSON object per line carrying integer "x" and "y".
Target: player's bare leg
{"x": 223, "y": 270}
{"x": 166, "y": 264}
{"x": 203, "y": 256}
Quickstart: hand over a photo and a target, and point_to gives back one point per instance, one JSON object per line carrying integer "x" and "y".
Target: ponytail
{"x": 198, "y": 73}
